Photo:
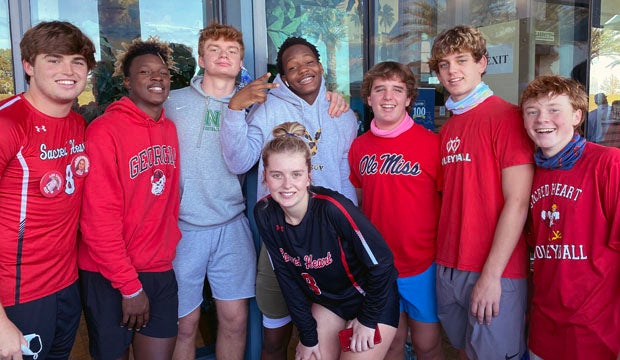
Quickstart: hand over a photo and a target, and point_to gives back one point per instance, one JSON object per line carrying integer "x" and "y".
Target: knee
{"x": 274, "y": 346}
{"x": 275, "y": 341}
{"x": 188, "y": 326}
{"x": 235, "y": 322}
{"x": 427, "y": 346}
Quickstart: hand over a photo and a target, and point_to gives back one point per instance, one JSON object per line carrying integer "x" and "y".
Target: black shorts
{"x": 103, "y": 312}
{"x": 55, "y": 318}
{"x": 390, "y": 315}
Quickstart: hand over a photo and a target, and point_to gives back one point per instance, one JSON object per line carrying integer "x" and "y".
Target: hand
{"x": 363, "y": 338}
{"x": 337, "y": 104}
{"x": 11, "y": 340}
{"x": 252, "y": 93}
{"x": 485, "y": 298}
{"x": 303, "y": 352}
{"x": 135, "y": 312}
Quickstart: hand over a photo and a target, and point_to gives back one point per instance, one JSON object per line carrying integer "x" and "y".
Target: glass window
{"x": 334, "y": 27}
{"x": 110, "y": 23}
{"x": 7, "y": 86}
{"x": 523, "y": 42}
{"x": 603, "y": 124}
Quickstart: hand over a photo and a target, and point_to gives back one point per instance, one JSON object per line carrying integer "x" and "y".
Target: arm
{"x": 337, "y": 104}
{"x": 12, "y": 137}
{"x": 612, "y": 204}
{"x": 371, "y": 250}
{"x": 11, "y": 339}
{"x": 242, "y": 138}
{"x": 303, "y": 352}
{"x": 363, "y": 337}
{"x": 347, "y": 186}
{"x": 298, "y": 303}
{"x": 516, "y": 187}
{"x": 253, "y": 93}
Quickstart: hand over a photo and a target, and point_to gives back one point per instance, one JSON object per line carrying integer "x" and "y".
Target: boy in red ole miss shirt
{"x": 41, "y": 140}
{"x": 575, "y": 209}
{"x": 396, "y": 167}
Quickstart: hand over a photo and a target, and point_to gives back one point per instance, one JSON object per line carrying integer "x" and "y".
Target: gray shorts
{"x": 226, "y": 255}
{"x": 504, "y": 338}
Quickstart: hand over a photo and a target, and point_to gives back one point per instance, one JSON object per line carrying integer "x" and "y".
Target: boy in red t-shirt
{"x": 396, "y": 167}
{"x": 487, "y": 170}
{"x": 575, "y": 209}
{"x": 41, "y": 194}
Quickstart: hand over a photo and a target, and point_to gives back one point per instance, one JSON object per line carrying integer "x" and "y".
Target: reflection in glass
{"x": 603, "y": 124}
{"x": 112, "y": 23}
{"x": 7, "y": 86}
{"x": 334, "y": 27}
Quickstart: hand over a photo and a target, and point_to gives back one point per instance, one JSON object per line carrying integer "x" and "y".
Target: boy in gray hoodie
{"x": 216, "y": 239}
{"x": 300, "y": 96}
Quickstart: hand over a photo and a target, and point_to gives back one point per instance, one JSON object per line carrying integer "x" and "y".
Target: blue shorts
{"x": 103, "y": 312}
{"x": 55, "y": 318}
{"x": 225, "y": 254}
{"x": 418, "y": 295}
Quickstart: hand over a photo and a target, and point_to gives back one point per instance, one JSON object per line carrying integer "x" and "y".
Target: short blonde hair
{"x": 287, "y": 137}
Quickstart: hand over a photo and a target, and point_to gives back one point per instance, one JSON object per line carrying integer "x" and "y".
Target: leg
{"x": 67, "y": 322}
{"x": 275, "y": 342}
{"x": 452, "y": 299}
{"x": 185, "y": 348}
{"x": 232, "y": 318}
{"x": 504, "y": 337}
{"x": 156, "y": 341}
{"x": 102, "y": 311}
{"x": 277, "y": 327}
{"x": 327, "y": 325}
{"x": 462, "y": 355}
{"x": 426, "y": 340}
{"x": 150, "y": 348}
{"x": 397, "y": 348}
{"x": 190, "y": 266}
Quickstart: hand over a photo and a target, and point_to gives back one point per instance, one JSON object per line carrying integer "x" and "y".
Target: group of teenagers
{"x": 400, "y": 231}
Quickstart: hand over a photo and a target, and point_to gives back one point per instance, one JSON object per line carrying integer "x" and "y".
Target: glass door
{"x": 603, "y": 125}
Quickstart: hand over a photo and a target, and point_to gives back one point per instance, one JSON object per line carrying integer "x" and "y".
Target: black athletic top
{"x": 335, "y": 257}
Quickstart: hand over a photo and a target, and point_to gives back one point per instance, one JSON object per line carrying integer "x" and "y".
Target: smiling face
{"x": 56, "y": 80}
{"x": 148, "y": 83}
{"x": 302, "y": 71}
{"x": 287, "y": 177}
{"x": 221, "y": 58}
{"x": 550, "y": 122}
{"x": 388, "y": 99}
{"x": 459, "y": 73}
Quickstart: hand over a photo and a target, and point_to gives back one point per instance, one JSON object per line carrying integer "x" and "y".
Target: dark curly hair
{"x": 287, "y": 44}
{"x": 139, "y": 47}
